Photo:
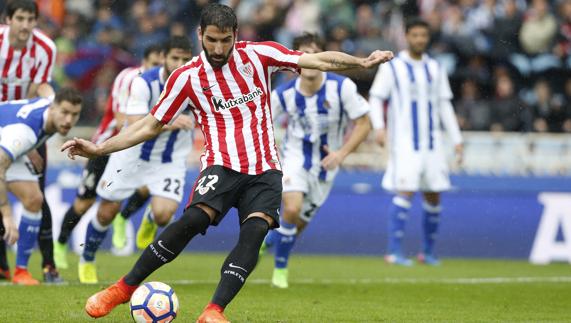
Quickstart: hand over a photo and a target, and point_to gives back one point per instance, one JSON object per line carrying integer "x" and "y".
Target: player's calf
{"x": 241, "y": 261}
{"x": 169, "y": 244}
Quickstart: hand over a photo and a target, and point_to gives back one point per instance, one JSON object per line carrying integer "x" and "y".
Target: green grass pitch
{"x": 323, "y": 289}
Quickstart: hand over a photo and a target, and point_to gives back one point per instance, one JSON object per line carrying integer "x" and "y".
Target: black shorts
{"x": 91, "y": 175}
{"x": 222, "y": 188}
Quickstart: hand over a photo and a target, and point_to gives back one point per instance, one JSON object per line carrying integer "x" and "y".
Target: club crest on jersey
{"x": 222, "y": 104}
{"x": 247, "y": 70}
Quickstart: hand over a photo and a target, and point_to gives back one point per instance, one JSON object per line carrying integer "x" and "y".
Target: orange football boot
{"x": 23, "y": 277}
{"x": 212, "y": 314}
{"x": 105, "y": 301}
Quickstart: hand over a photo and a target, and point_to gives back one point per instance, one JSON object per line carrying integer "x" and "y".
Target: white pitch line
{"x": 366, "y": 281}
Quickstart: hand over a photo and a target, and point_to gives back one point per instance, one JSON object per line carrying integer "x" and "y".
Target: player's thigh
{"x": 314, "y": 198}
{"x": 119, "y": 181}
{"x": 21, "y": 170}
{"x": 91, "y": 175}
{"x": 262, "y": 193}
{"x": 295, "y": 184}
{"x": 163, "y": 209}
{"x": 435, "y": 177}
{"x": 217, "y": 188}
{"x": 167, "y": 181}
{"x": 29, "y": 193}
{"x": 403, "y": 173}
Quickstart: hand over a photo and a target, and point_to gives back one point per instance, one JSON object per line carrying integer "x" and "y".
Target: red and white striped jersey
{"x": 231, "y": 104}
{"x": 116, "y": 102}
{"x": 20, "y": 67}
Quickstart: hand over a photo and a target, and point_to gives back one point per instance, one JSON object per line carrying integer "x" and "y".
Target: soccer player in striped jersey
{"x": 228, "y": 90}
{"x": 318, "y": 106}
{"x": 27, "y": 58}
{"x": 109, "y": 126}
{"x": 418, "y": 93}
{"x": 25, "y": 125}
{"x": 159, "y": 163}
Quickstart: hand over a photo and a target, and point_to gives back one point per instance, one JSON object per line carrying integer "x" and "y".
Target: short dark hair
{"x": 180, "y": 42}
{"x": 24, "y": 5}
{"x": 218, "y": 15}
{"x": 156, "y": 48}
{"x": 308, "y": 38}
{"x": 416, "y": 22}
{"x": 68, "y": 94}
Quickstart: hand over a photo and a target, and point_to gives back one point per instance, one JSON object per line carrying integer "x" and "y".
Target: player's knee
{"x": 33, "y": 201}
{"x": 107, "y": 211}
{"x": 81, "y": 206}
{"x": 194, "y": 219}
{"x": 163, "y": 217}
{"x": 291, "y": 212}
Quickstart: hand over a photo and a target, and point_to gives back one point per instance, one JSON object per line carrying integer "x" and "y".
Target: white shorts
{"x": 21, "y": 170}
{"x": 298, "y": 179}
{"x": 125, "y": 173}
{"x": 417, "y": 171}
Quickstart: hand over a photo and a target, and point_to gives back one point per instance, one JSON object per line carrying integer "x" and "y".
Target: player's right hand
{"x": 80, "y": 147}
{"x": 10, "y": 230}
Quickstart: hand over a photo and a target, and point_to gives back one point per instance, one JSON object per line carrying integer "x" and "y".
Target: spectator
{"x": 509, "y": 113}
{"x": 562, "y": 47}
{"x": 548, "y": 111}
{"x": 472, "y": 111}
{"x": 504, "y": 32}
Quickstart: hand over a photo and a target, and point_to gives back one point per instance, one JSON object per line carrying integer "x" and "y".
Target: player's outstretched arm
{"x": 140, "y": 131}
{"x": 338, "y": 61}
{"x": 11, "y": 231}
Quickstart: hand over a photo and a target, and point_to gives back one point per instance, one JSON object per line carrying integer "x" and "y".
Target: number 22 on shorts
{"x": 210, "y": 180}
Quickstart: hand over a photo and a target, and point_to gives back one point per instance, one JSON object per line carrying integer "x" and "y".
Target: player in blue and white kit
{"x": 159, "y": 164}
{"x": 418, "y": 93}
{"x": 318, "y": 106}
{"x": 24, "y": 126}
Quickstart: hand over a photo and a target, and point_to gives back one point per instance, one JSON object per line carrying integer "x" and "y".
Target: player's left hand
{"x": 332, "y": 160}
{"x": 80, "y": 147}
{"x": 459, "y": 150}
{"x": 377, "y": 57}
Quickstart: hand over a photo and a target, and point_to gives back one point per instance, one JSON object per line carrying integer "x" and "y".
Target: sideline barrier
{"x": 491, "y": 217}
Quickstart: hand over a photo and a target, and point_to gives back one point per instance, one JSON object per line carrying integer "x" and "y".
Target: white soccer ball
{"x": 154, "y": 302}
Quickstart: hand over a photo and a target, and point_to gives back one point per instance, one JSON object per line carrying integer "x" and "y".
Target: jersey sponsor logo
{"x": 221, "y": 104}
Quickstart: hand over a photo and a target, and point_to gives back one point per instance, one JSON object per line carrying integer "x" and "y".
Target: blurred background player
{"x": 227, "y": 86}
{"x": 110, "y": 125}
{"x": 419, "y": 104}
{"x": 318, "y": 106}
{"x": 159, "y": 163}
{"x": 25, "y": 125}
{"x": 27, "y": 58}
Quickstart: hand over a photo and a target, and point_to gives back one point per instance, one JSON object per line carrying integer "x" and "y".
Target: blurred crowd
{"x": 509, "y": 61}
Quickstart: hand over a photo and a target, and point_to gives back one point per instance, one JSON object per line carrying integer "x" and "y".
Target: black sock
{"x": 45, "y": 237}
{"x": 70, "y": 220}
{"x": 169, "y": 244}
{"x": 241, "y": 260}
{"x": 135, "y": 202}
{"x": 3, "y": 258}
